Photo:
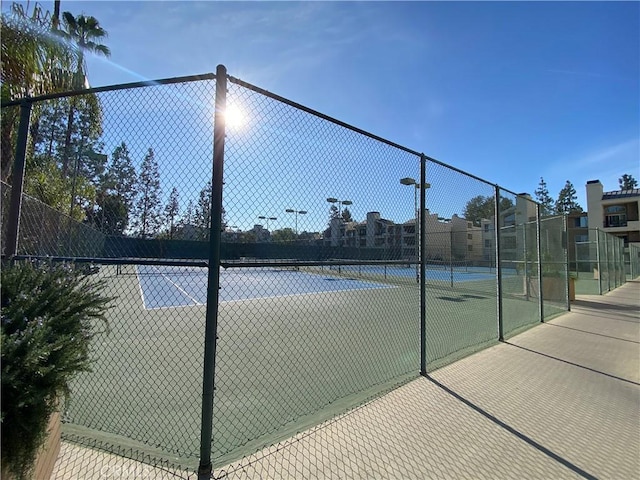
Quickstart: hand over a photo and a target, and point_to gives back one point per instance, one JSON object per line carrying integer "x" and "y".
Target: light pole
{"x": 340, "y": 203}
{"x": 412, "y": 181}
{"x": 296, "y": 212}
{"x": 262, "y": 217}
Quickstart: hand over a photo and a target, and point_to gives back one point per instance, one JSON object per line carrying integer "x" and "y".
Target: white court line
{"x": 196, "y": 303}
{"x": 281, "y": 296}
{"x": 350, "y": 290}
{"x": 144, "y": 303}
{"x": 179, "y": 289}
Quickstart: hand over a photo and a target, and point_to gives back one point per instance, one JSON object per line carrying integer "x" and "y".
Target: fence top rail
{"x": 316, "y": 113}
{"x": 109, "y": 88}
{"x": 212, "y": 76}
{"x": 112, "y": 260}
{"x": 310, "y": 263}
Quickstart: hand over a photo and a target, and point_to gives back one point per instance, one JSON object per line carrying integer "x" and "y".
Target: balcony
{"x": 626, "y": 225}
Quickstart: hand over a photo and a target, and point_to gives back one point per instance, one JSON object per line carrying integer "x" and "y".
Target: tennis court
{"x": 438, "y": 273}
{"x": 164, "y": 287}
{"x": 168, "y": 287}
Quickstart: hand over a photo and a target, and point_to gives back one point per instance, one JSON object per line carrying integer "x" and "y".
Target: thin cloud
{"x": 591, "y": 74}
{"x": 606, "y": 164}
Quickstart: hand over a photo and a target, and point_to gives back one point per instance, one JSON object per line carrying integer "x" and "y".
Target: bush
{"x": 48, "y": 316}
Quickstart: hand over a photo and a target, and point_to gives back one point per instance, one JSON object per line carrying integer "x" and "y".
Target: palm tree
{"x": 55, "y": 20}
{"x": 84, "y": 33}
{"x": 34, "y": 62}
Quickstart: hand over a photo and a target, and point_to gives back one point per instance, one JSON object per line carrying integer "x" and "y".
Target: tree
{"x": 547, "y": 205}
{"x": 111, "y": 215}
{"x": 284, "y": 235}
{"x": 333, "y": 213}
{"x": 171, "y": 210}
{"x": 627, "y": 182}
{"x": 148, "y": 215}
{"x": 202, "y": 214}
{"x": 34, "y": 62}
{"x": 567, "y": 200}
{"x": 481, "y": 207}
{"x": 83, "y": 32}
{"x": 121, "y": 177}
{"x": 346, "y": 215}
{"x": 184, "y": 225}
{"x": 45, "y": 183}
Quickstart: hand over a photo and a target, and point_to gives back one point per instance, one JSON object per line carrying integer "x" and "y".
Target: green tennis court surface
{"x": 283, "y": 362}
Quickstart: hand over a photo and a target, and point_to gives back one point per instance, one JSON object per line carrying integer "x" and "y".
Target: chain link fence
{"x": 599, "y": 261}
{"x": 632, "y": 262}
{"x": 345, "y": 265}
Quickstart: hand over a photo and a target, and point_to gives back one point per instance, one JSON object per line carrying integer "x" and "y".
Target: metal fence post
{"x": 423, "y": 247}
{"x": 211, "y": 327}
{"x": 527, "y": 293}
{"x": 496, "y": 228}
{"x": 565, "y": 235}
{"x": 598, "y": 261}
{"x": 539, "y": 248}
{"x": 17, "y": 183}
{"x": 607, "y": 261}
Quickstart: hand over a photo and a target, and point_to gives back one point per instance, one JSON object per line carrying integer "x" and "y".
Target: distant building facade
{"x": 615, "y": 212}
{"x": 446, "y": 238}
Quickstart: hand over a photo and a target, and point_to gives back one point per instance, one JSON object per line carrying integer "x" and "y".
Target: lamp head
{"x": 408, "y": 181}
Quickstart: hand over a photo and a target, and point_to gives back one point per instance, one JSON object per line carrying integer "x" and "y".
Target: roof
{"x": 634, "y": 192}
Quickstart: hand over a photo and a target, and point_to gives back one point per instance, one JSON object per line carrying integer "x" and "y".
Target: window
{"x": 487, "y": 227}
{"x": 470, "y": 247}
{"x": 487, "y": 244}
{"x": 581, "y": 222}
{"x": 510, "y": 220}
{"x": 615, "y": 216}
{"x": 469, "y": 236}
{"x": 582, "y": 238}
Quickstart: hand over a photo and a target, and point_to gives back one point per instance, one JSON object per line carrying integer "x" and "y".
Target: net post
{"x": 17, "y": 183}
{"x": 423, "y": 247}
{"x": 496, "y": 229}
{"x": 211, "y": 327}
{"x": 539, "y": 248}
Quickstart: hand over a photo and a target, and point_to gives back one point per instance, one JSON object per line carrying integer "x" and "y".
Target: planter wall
{"x": 554, "y": 289}
{"x": 46, "y": 459}
{"x": 49, "y": 453}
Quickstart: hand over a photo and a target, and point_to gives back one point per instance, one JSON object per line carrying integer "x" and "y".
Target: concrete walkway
{"x": 561, "y": 400}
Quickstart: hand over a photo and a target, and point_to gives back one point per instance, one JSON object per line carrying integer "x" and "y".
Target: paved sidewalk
{"x": 561, "y": 400}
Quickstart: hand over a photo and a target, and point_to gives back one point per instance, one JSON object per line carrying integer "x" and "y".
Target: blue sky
{"x": 508, "y": 91}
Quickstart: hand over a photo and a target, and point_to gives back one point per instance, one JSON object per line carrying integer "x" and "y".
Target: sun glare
{"x": 234, "y": 117}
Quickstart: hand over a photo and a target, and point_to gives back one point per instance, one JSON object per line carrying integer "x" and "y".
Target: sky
{"x": 507, "y": 91}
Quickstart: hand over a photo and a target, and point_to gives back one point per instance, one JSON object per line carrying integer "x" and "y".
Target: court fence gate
{"x": 271, "y": 267}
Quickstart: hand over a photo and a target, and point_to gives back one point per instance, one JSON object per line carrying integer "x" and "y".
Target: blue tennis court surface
{"x": 468, "y": 275}
{"x": 183, "y": 286}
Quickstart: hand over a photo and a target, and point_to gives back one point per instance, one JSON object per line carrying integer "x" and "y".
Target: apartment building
{"x": 615, "y": 212}
{"x": 447, "y": 239}
{"x": 517, "y": 231}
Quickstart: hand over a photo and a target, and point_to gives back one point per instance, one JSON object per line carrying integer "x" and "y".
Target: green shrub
{"x": 48, "y": 316}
